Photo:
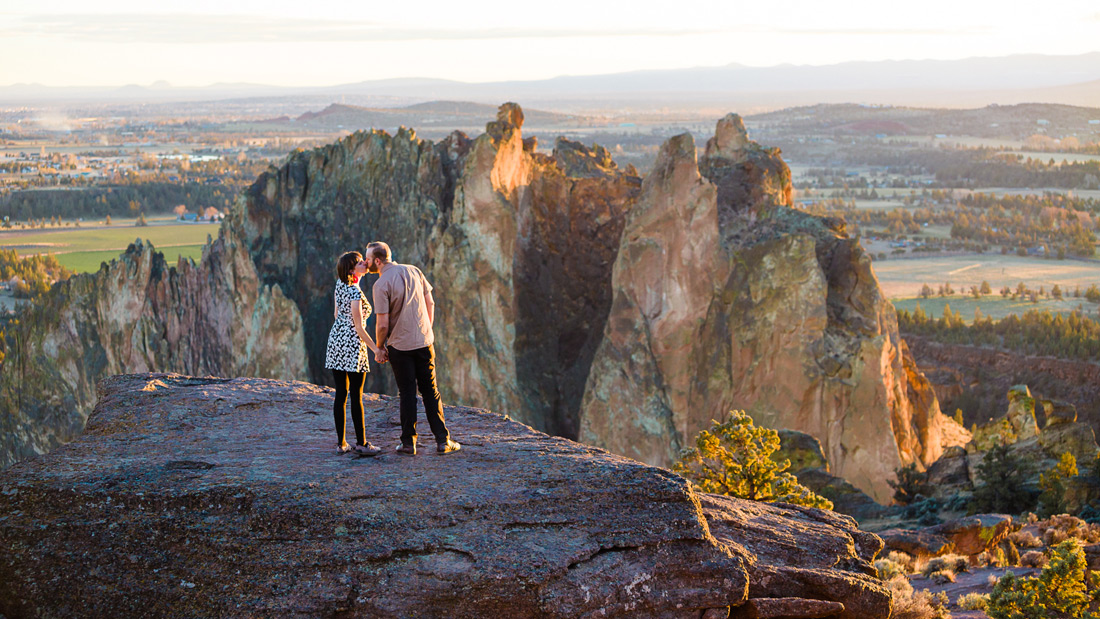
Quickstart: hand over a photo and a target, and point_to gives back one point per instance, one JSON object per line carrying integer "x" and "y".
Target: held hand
{"x": 380, "y": 355}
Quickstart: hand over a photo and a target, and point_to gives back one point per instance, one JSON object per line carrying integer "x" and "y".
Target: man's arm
{"x": 381, "y": 329}
{"x": 429, "y": 304}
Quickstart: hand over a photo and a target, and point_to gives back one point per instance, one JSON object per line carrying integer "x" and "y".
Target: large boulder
{"x": 968, "y": 536}
{"x": 973, "y": 535}
{"x": 214, "y": 497}
{"x": 802, "y": 450}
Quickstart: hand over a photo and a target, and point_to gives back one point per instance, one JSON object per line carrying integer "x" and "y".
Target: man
{"x": 404, "y": 311}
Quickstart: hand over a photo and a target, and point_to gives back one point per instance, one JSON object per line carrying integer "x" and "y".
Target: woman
{"x": 349, "y": 347}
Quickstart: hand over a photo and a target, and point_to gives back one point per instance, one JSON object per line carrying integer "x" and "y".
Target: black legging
{"x": 342, "y": 380}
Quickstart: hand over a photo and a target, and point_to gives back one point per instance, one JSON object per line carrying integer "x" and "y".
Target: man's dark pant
{"x": 415, "y": 369}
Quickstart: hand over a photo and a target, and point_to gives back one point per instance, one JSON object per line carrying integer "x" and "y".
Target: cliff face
{"x": 139, "y": 314}
{"x": 570, "y": 293}
{"x": 724, "y": 297}
{"x": 213, "y": 497}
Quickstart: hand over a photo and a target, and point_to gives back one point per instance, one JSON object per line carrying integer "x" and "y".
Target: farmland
{"x": 83, "y": 249}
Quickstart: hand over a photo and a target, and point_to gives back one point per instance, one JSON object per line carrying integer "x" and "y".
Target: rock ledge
{"x": 214, "y": 497}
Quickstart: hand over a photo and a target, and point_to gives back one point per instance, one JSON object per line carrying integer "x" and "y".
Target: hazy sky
{"x": 323, "y": 42}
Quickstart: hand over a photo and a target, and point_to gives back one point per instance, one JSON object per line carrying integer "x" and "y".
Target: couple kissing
{"x": 404, "y": 314}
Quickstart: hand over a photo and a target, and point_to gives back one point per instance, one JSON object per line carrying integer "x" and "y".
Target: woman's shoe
{"x": 342, "y": 449}
{"x": 366, "y": 450}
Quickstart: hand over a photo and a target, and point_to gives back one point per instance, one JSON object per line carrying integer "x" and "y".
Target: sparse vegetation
{"x": 888, "y": 569}
{"x": 949, "y": 562}
{"x": 734, "y": 458}
{"x": 1060, "y": 590}
{"x": 1025, "y": 539}
{"x": 1033, "y": 558}
{"x": 973, "y": 601}
{"x": 912, "y": 604}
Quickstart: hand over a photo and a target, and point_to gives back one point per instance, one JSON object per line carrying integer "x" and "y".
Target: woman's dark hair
{"x": 345, "y": 266}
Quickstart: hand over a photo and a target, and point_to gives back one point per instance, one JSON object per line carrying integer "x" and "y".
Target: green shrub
{"x": 910, "y": 484}
{"x": 887, "y": 569}
{"x": 1059, "y": 591}
{"x": 973, "y": 601}
{"x": 1052, "y": 500}
{"x": 1002, "y": 476}
{"x": 734, "y": 458}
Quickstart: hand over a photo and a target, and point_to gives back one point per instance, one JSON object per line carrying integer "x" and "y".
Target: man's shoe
{"x": 342, "y": 449}
{"x": 447, "y": 448}
{"x": 366, "y": 450}
{"x": 406, "y": 450}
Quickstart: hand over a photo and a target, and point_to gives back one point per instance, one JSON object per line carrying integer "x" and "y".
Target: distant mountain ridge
{"x": 450, "y": 114}
{"x": 970, "y": 81}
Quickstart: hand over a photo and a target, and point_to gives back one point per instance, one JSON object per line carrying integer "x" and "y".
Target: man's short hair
{"x": 378, "y": 249}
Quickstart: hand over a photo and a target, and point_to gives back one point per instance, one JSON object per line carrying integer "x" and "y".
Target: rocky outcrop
{"x": 137, "y": 313}
{"x": 724, "y": 297}
{"x": 968, "y": 536}
{"x": 215, "y": 497}
{"x": 572, "y": 294}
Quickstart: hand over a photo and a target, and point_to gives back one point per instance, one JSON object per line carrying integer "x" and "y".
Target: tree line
{"x": 118, "y": 200}
{"x": 30, "y": 276}
{"x": 1072, "y": 336}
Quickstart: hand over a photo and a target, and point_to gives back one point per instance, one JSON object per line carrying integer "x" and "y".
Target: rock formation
{"x": 724, "y": 297}
{"x": 956, "y": 473}
{"x": 571, "y": 294}
{"x": 140, "y": 314}
{"x": 203, "y": 496}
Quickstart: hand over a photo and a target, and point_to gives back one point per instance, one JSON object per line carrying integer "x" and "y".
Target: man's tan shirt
{"x": 400, "y": 292}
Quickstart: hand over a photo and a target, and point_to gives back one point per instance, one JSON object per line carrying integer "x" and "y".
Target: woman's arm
{"x": 357, "y": 319}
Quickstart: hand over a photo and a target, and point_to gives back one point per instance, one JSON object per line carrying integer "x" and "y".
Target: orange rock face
{"x": 724, "y": 297}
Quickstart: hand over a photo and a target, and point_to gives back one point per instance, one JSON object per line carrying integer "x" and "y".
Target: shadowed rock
{"x": 208, "y": 497}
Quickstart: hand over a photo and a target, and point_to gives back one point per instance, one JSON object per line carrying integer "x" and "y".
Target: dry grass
{"x": 1033, "y": 558}
{"x": 1058, "y": 529}
{"x": 948, "y": 562}
{"x": 1025, "y": 539}
{"x": 942, "y": 577}
{"x": 911, "y": 604}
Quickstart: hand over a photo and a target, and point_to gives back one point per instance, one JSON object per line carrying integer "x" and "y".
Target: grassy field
{"x": 89, "y": 261}
{"x": 83, "y": 249}
{"x": 116, "y": 237}
{"x": 994, "y": 306}
{"x": 903, "y": 278}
